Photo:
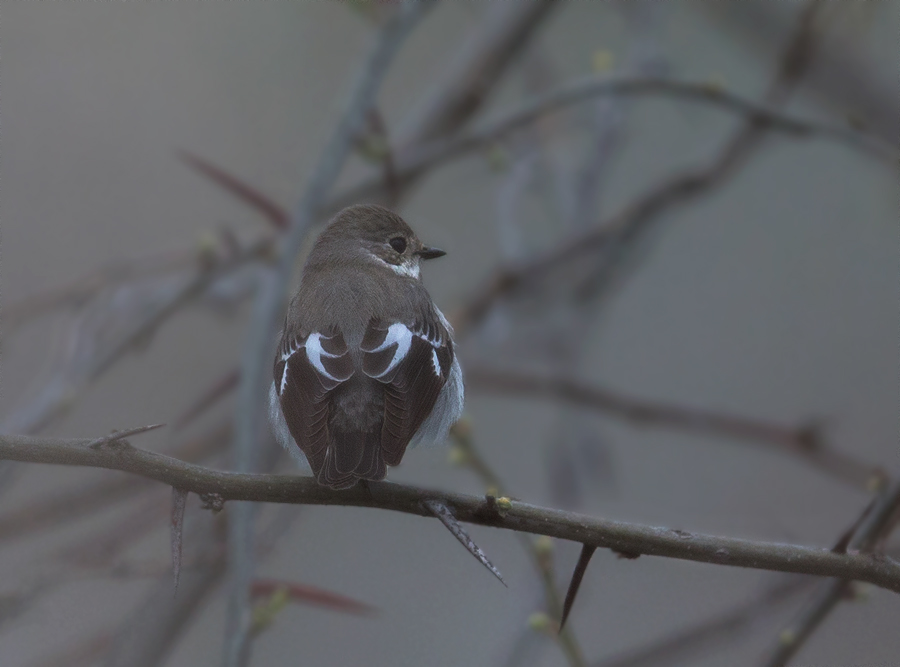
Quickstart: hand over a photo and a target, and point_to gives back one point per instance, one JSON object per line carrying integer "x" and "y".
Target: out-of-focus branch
{"x": 616, "y": 241}
{"x": 723, "y": 626}
{"x": 76, "y": 292}
{"x": 148, "y": 633}
{"x": 840, "y": 73}
{"x": 84, "y": 653}
{"x": 276, "y": 216}
{"x": 804, "y": 441}
{"x": 59, "y": 396}
{"x": 416, "y": 159}
{"x": 873, "y": 527}
{"x": 513, "y": 515}
{"x": 582, "y": 90}
{"x": 477, "y": 65}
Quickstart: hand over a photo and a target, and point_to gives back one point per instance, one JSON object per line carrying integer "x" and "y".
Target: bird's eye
{"x": 398, "y": 243}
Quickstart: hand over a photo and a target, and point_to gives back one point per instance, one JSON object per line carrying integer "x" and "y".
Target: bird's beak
{"x": 430, "y": 253}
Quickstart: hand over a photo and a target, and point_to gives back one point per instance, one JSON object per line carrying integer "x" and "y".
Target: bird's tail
{"x": 350, "y": 457}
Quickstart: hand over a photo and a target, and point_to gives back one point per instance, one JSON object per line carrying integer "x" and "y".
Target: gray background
{"x": 775, "y": 297}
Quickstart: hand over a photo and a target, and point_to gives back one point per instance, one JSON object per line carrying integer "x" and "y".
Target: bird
{"x": 365, "y": 366}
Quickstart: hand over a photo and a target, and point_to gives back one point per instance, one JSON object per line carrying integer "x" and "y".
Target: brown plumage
{"x": 366, "y": 364}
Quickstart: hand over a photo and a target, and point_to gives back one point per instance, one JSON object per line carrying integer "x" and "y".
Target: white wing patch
{"x": 285, "y": 356}
{"x": 435, "y": 363}
{"x": 314, "y": 353}
{"x": 283, "y": 378}
{"x": 290, "y": 353}
{"x": 399, "y": 334}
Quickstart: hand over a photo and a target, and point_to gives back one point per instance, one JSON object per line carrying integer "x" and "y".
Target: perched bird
{"x": 366, "y": 366}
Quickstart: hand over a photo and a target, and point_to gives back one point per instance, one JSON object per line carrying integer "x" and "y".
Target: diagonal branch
{"x": 512, "y": 515}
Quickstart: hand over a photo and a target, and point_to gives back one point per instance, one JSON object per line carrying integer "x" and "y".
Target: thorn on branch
{"x": 179, "y": 499}
{"x": 116, "y": 437}
{"x": 581, "y": 566}
{"x": 443, "y": 513}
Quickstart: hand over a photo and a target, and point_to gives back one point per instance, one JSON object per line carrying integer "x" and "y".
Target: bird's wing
{"x": 308, "y": 367}
{"x": 413, "y": 362}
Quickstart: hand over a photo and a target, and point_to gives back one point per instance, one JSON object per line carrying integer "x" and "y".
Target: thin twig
{"x": 118, "y": 436}
{"x": 264, "y": 205}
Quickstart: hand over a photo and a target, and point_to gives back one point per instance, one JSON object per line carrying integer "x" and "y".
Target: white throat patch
{"x": 411, "y": 270}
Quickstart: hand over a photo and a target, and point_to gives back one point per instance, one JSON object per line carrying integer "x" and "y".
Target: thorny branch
{"x": 630, "y": 538}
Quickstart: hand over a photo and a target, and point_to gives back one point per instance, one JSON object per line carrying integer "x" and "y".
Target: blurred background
{"x": 661, "y": 301}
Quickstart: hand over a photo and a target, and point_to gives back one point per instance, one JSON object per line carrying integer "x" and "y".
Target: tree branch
{"x": 803, "y": 441}
{"x": 512, "y": 515}
{"x": 681, "y": 645}
{"x": 874, "y": 523}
